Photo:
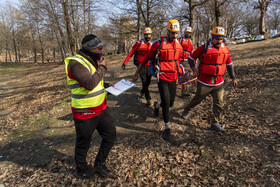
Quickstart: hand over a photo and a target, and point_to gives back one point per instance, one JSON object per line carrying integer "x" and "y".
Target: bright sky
{"x": 4, "y": 2}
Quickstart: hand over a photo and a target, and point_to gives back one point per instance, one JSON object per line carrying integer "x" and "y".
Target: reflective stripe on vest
{"x": 77, "y": 57}
{"x": 73, "y": 86}
{"x": 76, "y": 96}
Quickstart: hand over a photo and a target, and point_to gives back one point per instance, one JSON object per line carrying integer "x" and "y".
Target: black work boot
{"x": 84, "y": 174}
{"x": 166, "y": 134}
{"x": 101, "y": 168}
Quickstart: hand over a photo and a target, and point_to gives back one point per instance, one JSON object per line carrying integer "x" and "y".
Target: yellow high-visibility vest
{"x": 81, "y": 97}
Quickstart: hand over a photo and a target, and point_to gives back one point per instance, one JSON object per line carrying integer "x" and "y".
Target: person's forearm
{"x": 191, "y": 63}
{"x": 139, "y": 68}
{"x": 84, "y": 77}
{"x": 230, "y": 70}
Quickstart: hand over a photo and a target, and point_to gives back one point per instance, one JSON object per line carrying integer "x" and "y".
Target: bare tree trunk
{"x": 15, "y": 46}
{"x": 89, "y": 17}
{"x": 85, "y": 17}
{"x": 9, "y": 51}
{"x": 19, "y": 54}
{"x": 53, "y": 54}
{"x": 138, "y": 19}
{"x": 217, "y": 13}
{"x": 192, "y": 19}
{"x": 192, "y": 6}
{"x": 75, "y": 23}
{"x": 58, "y": 28}
{"x": 262, "y": 17}
{"x": 148, "y": 14}
{"x": 42, "y": 48}
{"x": 34, "y": 47}
{"x": 71, "y": 42}
{"x": 7, "y": 48}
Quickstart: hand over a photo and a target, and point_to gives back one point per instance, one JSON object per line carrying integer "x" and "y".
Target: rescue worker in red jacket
{"x": 139, "y": 50}
{"x": 85, "y": 72}
{"x": 187, "y": 45}
{"x": 213, "y": 64}
{"x": 169, "y": 52}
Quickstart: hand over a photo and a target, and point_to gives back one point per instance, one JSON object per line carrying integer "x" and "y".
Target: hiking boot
{"x": 217, "y": 128}
{"x": 166, "y": 134}
{"x": 185, "y": 114}
{"x": 84, "y": 174}
{"x": 102, "y": 169}
{"x": 148, "y": 102}
{"x": 156, "y": 110}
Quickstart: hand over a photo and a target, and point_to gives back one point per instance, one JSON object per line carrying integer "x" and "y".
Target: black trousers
{"x": 146, "y": 77}
{"x": 104, "y": 123}
{"x": 167, "y": 92}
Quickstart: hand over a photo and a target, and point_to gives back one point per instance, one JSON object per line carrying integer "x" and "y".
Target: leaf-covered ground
{"x": 37, "y": 133}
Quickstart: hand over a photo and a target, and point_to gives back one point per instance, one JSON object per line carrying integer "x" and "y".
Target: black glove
{"x": 123, "y": 66}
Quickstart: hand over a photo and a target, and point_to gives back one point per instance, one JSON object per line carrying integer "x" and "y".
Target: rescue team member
{"x": 211, "y": 71}
{"x": 139, "y": 50}
{"x": 85, "y": 72}
{"x": 187, "y": 45}
{"x": 170, "y": 53}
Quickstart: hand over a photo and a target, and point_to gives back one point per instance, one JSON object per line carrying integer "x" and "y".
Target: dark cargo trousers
{"x": 146, "y": 77}
{"x": 217, "y": 93}
{"x": 104, "y": 123}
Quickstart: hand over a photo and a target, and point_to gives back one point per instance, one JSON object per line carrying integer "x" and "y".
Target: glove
{"x": 123, "y": 66}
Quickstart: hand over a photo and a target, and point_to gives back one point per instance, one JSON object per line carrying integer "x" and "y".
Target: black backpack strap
{"x": 205, "y": 46}
{"x": 135, "y": 58}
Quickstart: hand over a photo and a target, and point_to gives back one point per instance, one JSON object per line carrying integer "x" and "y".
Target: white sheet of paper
{"x": 120, "y": 87}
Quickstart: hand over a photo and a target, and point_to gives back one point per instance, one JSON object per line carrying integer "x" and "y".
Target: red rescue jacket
{"x": 212, "y": 62}
{"x": 169, "y": 55}
{"x": 143, "y": 50}
{"x": 187, "y": 47}
{"x": 139, "y": 50}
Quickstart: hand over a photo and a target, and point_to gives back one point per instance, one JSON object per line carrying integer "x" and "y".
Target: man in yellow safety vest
{"x": 85, "y": 72}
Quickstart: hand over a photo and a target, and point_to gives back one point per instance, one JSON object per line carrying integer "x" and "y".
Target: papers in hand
{"x": 120, "y": 87}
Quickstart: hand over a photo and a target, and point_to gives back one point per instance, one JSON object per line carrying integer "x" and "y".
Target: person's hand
{"x": 234, "y": 82}
{"x": 111, "y": 84}
{"x": 102, "y": 62}
{"x": 123, "y": 66}
{"x": 135, "y": 77}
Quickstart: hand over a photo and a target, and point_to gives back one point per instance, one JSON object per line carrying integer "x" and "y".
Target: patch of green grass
{"x": 173, "y": 176}
{"x": 135, "y": 172}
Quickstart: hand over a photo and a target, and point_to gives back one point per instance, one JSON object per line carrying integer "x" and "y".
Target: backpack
{"x": 205, "y": 46}
{"x": 154, "y": 63}
{"x": 135, "y": 57}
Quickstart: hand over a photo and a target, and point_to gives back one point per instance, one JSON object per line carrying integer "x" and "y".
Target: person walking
{"x": 139, "y": 50}
{"x": 169, "y": 51}
{"x": 187, "y": 45}
{"x": 213, "y": 56}
{"x": 85, "y": 72}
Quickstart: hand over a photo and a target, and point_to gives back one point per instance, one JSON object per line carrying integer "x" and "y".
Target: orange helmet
{"x": 188, "y": 29}
{"x": 173, "y": 25}
{"x": 148, "y": 30}
{"x": 218, "y": 31}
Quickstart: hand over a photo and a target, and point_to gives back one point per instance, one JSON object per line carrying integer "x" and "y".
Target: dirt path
{"x": 37, "y": 133}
